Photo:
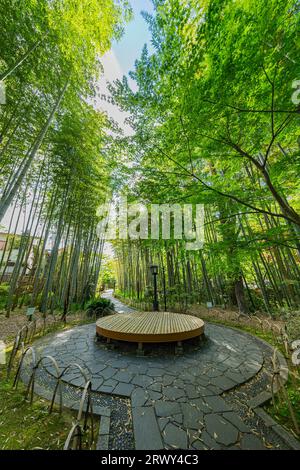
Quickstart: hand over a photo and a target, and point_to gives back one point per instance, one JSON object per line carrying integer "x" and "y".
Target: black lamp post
{"x": 154, "y": 272}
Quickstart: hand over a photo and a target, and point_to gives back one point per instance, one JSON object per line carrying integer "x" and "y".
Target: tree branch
{"x": 221, "y": 193}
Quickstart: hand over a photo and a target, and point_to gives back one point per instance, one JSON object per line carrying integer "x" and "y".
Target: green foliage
{"x": 280, "y": 412}
{"x": 293, "y": 325}
{"x": 55, "y": 160}
{"x": 214, "y": 123}
{"x": 108, "y": 274}
{"x": 25, "y": 426}
{"x": 99, "y": 308}
{"x": 4, "y": 288}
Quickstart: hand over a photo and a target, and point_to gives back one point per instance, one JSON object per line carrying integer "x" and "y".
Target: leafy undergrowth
{"x": 26, "y": 427}
{"x": 280, "y": 411}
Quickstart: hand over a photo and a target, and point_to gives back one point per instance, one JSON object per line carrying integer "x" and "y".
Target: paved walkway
{"x": 179, "y": 402}
{"x": 119, "y": 306}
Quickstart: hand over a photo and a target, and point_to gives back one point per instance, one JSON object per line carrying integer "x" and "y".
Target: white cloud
{"x": 112, "y": 68}
{"x": 112, "y": 71}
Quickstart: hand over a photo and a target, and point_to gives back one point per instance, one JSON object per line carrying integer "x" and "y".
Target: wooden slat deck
{"x": 150, "y": 327}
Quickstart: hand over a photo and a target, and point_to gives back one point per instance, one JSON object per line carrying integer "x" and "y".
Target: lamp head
{"x": 154, "y": 269}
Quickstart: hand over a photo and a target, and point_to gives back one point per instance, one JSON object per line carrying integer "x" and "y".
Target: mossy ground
{"x": 280, "y": 410}
{"x": 24, "y": 426}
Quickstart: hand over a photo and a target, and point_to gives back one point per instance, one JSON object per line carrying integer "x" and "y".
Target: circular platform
{"x": 150, "y": 327}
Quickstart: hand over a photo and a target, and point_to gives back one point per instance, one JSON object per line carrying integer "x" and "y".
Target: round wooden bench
{"x": 150, "y": 327}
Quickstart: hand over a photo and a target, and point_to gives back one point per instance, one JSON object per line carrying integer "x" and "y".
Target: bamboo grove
{"x": 54, "y": 150}
{"x": 215, "y": 121}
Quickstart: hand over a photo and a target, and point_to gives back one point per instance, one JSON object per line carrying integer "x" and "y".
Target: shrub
{"x": 293, "y": 325}
{"x": 3, "y": 295}
{"x": 99, "y": 308}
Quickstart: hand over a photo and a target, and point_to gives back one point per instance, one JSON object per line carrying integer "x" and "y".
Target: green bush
{"x": 3, "y": 295}
{"x": 99, "y": 308}
{"x": 293, "y": 325}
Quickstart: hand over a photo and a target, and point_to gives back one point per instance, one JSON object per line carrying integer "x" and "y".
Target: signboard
{"x": 2, "y": 352}
{"x": 209, "y": 305}
{"x": 30, "y": 312}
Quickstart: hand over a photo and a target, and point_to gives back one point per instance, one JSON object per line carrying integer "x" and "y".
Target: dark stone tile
{"x": 139, "y": 397}
{"x": 142, "y": 380}
{"x": 178, "y": 419}
{"x": 104, "y": 425}
{"x": 155, "y": 372}
{"x": 213, "y": 373}
{"x": 221, "y": 430}
{"x": 162, "y": 422}
{"x": 110, "y": 383}
{"x": 192, "y": 391}
{"x": 235, "y": 376}
{"x": 154, "y": 395}
{"x": 105, "y": 389}
{"x": 251, "y": 442}
{"x": 223, "y": 382}
{"x": 200, "y": 405}
{"x": 192, "y": 418}
{"x": 175, "y": 437}
{"x": 156, "y": 387}
{"x": 166, "y": 408}
{"x": 123, "y": 389}
{"x": 217, "y": 404}
{"x": 209, "y": 442}
{"x": 146, "y": 431}
{"x": 173, "y": 393}
{"x": 96, "y": 368}
{"x": 123, "y": 376}
{"x": 108, "y": 372}
{"x": 96, "y": 383}
{"x": 167, "y": 380}
{"x": 234, "y": 419}
{"x": 198, "y": 445}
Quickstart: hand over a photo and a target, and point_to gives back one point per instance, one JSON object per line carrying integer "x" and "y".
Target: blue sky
{"x": 121, "y": 58}
{"x": 129, "y": 48}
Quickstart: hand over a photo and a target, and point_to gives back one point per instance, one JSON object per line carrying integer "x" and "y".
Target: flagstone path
{"x": 182, "y": 402}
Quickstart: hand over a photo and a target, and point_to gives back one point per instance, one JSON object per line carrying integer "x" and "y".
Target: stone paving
{"x": 119, "y": 306}
{"x": 176, "y": 401}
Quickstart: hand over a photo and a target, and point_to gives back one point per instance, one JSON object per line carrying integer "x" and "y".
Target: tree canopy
{"x": 215, "y": 123}
{"x": 55, "y": 168}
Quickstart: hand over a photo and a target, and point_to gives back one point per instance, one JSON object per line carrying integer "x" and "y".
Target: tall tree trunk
{"x": 240, "y": 295}
{"x": 20, "y": 61}
{"x": 53, "y": 259}
{"x": 7, "y": 199}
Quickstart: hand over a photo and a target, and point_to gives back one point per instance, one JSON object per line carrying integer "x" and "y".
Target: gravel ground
{"x": 9, "y": 327}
